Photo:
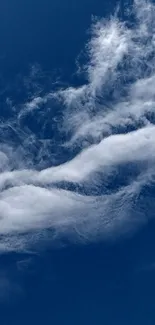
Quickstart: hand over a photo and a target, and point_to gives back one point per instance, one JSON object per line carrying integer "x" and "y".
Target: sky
{"x": 77, "y": 154}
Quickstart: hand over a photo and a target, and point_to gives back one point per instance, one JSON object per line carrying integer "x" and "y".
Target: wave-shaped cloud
{"x": 108, "y": 123}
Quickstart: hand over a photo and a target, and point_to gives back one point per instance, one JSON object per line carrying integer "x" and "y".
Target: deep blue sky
{"x": 50, "y": 33}
{"x": 97, "y": 284}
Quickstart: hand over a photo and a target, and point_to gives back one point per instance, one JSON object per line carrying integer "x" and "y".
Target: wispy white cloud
{"x": 135, "y": 146}
{"x": 108, "y": 121}
{"x": 121, "y": 66}
{"x": 26, "y": 209}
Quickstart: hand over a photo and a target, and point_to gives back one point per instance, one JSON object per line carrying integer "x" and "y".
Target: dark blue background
{"x": 106, "y": 283}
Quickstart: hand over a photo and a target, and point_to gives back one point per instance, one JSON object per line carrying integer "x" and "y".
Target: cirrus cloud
{"x": 106, "y": 124}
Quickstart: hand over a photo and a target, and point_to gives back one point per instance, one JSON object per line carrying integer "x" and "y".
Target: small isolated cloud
{"x": 108, "y": 123}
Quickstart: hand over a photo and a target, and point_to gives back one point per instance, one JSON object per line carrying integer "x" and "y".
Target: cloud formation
{"x": 107, "y": 124}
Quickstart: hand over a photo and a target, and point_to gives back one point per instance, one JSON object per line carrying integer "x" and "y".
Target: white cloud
{"x": 26, "y": 209}
{"x": 116, "y": 149}
{"x": 118, "y": 95}
{"x": 121, "y": 65}
{"x": 113, "y": 150}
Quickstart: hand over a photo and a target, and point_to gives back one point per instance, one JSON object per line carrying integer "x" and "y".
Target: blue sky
{"x": 77, "y": 156}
